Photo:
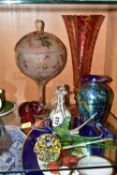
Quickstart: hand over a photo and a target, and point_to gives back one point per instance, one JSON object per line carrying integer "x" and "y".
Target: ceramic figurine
{"x": 60, "y": 116}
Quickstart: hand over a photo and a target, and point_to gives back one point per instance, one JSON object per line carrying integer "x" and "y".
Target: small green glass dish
{"x": 8, "y": 108}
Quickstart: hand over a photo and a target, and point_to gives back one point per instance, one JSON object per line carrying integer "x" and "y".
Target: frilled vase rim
{"x": 96, "y": 78}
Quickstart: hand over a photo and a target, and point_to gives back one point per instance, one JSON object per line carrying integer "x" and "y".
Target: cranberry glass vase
{"x": 82, "y": 33}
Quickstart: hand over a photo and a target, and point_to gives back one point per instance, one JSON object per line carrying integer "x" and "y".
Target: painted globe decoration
{"x": 94, "y": 97}
{"x": 40, "y": 55}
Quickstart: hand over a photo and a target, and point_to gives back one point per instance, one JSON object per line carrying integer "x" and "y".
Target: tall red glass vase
{"x": 82, "y": 33}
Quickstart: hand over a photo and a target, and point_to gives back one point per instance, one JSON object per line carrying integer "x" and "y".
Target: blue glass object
{"x": 28, "y": 156}
{"x": 98, "y": 131}
{"x": 90, "y": 132}
{"x": 94, "y": 97}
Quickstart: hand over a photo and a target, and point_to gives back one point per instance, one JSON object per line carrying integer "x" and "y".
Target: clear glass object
{"x": 41, "y": 56}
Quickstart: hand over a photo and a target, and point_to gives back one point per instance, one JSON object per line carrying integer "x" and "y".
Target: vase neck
{"x": 96, "y": 79}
